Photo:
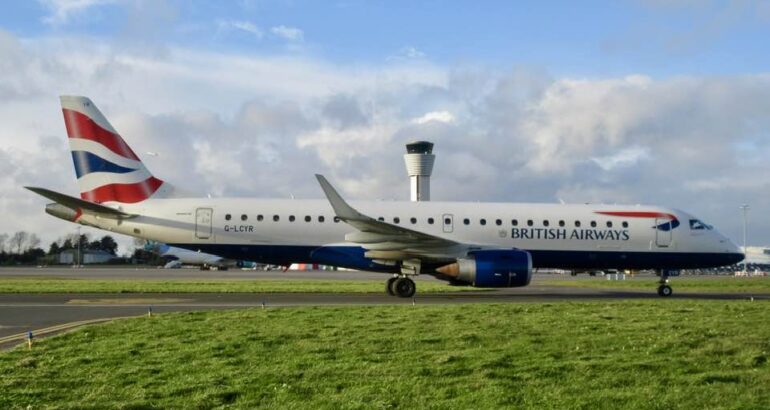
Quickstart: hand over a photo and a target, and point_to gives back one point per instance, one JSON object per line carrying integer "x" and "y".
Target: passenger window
{"x": 336, "y": 219}
{"x": 498, "y": 222}
{"x": 625, "y": 224}
{"x": 609, "y": 224}
{"x": 514, "y": 222}
{"x": 593, "y": 224}
{"x": 227, "y": 217}
{"x": 546, "y": 223}
{"x": 276, "y": 218}
{"x": 466, "y": 221}
{"x": 291, "y": 218}
{"x": 244, "y": 217}
{"x": 381, "y": 219}
{"x": 447, "y": 221}
{"x": 483, "y": 221}
{"x": 307, "y": 218}
{"x": 396, "y": 220}
{"x": 530, "y": 223}
{"x": 430, "y": 221}
{"x": 561, "y": 223}
{"x": 577, "y": 224}
{"x": 413, "y": 220}
{"x": 321, "y": 219}
{"x": 260, "y": 218}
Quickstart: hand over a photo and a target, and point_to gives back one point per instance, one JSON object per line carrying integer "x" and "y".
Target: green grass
{"x": 662, "y": 354}
{"x": 50, "y": 285}
{"x": 680, "y": 284}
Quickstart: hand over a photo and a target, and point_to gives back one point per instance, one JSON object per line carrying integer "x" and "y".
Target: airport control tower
{"x": 419, "y": 160}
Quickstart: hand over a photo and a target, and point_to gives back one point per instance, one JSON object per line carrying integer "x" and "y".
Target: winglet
{"x": 341, "y": 208}
{"x": 77, "y": 203}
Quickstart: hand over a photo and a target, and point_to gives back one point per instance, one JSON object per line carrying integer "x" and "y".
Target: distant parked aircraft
{"x": 177, "y": 257}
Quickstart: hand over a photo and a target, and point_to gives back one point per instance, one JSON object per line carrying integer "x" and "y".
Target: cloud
{"x": 288, "y": 33}
{"x": 244, "y": 26}
{"x": 61, "y": 11}
{"x": 624, "y": 158}
{"x": 246, "y": 125}
{"x": 407, "y": 53}
{"x": 437, "y": 116}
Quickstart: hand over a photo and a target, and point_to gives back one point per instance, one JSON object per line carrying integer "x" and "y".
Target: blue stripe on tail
{"x": 86, "y": 163}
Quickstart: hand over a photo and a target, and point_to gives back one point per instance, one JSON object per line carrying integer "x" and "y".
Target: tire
{"x": 404, "y": 287}
{"x": 665, "y": 290}
{"x": 389, "y": 286}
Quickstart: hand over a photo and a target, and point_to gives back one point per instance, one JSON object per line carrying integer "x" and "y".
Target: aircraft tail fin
{"x": 107, "y": 169}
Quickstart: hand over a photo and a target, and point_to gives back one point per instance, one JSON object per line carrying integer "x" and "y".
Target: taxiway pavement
{"x": 20, "y": 313}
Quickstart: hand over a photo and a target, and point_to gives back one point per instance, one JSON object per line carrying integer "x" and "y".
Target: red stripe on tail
{"x": 80, "y": 126}
{"x": 125, "y": 193}
{"x": 637, "y": 214}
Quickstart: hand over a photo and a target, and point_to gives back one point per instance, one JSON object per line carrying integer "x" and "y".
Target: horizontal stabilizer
{"x": 77, "y": 203}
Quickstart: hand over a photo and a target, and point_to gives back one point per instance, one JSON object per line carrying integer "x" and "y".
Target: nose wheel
{"x": 401, "y": 286}
{"x": 664, "y": 289}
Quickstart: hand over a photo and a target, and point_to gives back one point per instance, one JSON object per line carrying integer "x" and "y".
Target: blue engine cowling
{"x": 495, "y": 268}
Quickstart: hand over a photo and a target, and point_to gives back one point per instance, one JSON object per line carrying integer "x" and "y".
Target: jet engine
{"x": 492, "y": 268}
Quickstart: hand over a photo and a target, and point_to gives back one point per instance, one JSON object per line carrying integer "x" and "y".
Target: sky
{"x": 647, "y": 101}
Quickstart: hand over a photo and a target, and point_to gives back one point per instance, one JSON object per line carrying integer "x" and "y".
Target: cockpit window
{"x": 697, "y": 225}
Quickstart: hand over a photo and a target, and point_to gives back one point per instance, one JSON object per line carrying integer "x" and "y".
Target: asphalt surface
{"x": 187, "y": 273}
{"x": 20, "y": 313}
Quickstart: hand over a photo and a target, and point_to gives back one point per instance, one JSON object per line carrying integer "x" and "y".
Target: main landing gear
{"x": 663, "y": 288}
{"x": 400, "y": 286}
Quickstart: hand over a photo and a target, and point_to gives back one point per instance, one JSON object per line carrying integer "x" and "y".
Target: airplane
{"x": 177, "y": 257}
{"x": 484, "y": 245}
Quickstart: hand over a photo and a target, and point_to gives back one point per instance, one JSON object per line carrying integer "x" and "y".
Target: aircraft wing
{"x": 77, "y": 203}
{"x": 384, "y": 241}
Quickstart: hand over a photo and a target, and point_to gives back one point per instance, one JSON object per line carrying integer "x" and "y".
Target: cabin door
{"x": 448, "y": 221}
{"x": 663, "y": 236}
{"x": 203, "y": 217}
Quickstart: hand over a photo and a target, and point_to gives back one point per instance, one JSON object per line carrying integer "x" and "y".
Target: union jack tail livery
{"x": 106, "y": 167}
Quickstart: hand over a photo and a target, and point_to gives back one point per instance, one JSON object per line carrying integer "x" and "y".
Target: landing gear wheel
{"x": 665, "y": 290}
{"x": 389, "y": 286}
{"x": 404, "y": 287}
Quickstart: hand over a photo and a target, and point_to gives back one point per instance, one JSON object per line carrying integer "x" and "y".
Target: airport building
{"x": 69, "y": 256}
{"x": 757, "y": 255}
{"x": 419, "y": 161}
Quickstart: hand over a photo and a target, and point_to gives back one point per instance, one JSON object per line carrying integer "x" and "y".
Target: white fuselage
{"x": 557, "y": 235}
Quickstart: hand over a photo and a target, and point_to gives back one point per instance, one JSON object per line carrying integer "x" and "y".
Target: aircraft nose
{"x": 734, "y": 253}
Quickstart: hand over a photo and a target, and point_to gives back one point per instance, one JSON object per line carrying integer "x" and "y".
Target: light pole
{"x": 745, "y": 208}
{"x": 79, "y": 244}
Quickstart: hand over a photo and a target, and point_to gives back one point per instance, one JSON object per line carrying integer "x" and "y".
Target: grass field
{"x": 680, "y": 284}
{"x": 662, "y": 354}
{"x": 58, "y": 285}
{"x": 73, "y": 285}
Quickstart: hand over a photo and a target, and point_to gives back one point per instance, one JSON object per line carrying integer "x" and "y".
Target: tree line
{"x": 23, "y": 248}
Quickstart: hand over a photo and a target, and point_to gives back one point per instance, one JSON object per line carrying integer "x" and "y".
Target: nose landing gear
{"x": 663, "y": 288}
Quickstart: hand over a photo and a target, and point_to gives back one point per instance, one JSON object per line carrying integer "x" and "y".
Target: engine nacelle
{"x": 492, "y": 268}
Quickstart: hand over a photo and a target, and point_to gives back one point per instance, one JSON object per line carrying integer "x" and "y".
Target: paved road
{"x": 20, "y": 313}
{"x": 144, "y": 273}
